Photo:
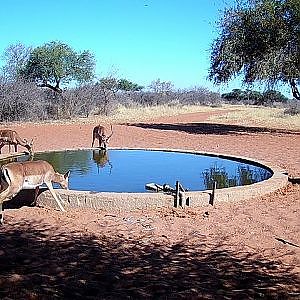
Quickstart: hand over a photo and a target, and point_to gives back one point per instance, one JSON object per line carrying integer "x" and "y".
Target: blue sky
{"x": 140, "y": 40}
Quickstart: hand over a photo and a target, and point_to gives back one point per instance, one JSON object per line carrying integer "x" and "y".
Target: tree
{"x": 161, "y": 87}
{"x": 108, "y": 83}
{"x": 55, "y": 64}
{"x": 271, "y": 96}
{"x": 126, "y": 85}
{"x": 236, "y": 95}
{"x": 248, "y": 96}
{"x": 108, "y": 86}
{"x": 16, "y": 57}
{"x": 260, "y": 40}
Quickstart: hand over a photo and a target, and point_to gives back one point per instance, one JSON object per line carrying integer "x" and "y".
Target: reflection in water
{"x": 91, "y": 170}
{"x": 244, "y": 176}
{"x": 101, "y": 158}
{"x": 219, "y": 175}
{"x": 62, "y": 161}
{"x": 24, "y": 157}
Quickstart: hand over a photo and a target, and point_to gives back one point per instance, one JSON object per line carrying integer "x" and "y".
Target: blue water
{"x": 130, "y": 170}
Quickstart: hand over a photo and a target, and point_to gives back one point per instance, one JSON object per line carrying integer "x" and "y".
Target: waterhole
{"x": 119, "y": 170}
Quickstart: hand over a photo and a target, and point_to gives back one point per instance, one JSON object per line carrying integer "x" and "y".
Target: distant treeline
{"x": 53, "y": 81}
{"x": 25, "y": 101}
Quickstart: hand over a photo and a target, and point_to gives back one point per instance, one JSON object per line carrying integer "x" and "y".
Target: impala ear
{"x": 67, "y": 174}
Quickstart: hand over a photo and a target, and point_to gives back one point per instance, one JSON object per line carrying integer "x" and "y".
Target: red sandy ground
{"x": 241, "y": 250}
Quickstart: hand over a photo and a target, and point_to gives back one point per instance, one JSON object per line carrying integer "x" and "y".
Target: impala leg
{"x": 51, "y": 189}
{"x": 1, "y": 214}
{"x": 4, "y": 196}
{"x": 36, "y": 192}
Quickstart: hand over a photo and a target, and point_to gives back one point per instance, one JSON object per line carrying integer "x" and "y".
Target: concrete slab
{"x": 113, "y": 202}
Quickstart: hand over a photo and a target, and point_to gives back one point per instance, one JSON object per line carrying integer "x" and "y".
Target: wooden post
{"x": 177, "y": 194}
{"x": 212, "y": 196}
{"x": 188, "y": 201}
{"x": 181, "y": 196}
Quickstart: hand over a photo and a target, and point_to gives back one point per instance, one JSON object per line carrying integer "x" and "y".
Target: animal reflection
{"x": 102, "y": 159}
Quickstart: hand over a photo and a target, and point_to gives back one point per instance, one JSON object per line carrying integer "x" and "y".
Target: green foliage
{"x": 112, "y": 83}
{"x": 126, "y": 85}
{"x": 55, "y": 64}
{"x": 274, "y": 96}
{"x": 247, "y": 96}
{"x": 108, "y": 83}
{"x": 260, "y": 40}
{"x": 254, "y": 97}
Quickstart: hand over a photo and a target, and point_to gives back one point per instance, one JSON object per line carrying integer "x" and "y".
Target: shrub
{"x": 293, "y": 108}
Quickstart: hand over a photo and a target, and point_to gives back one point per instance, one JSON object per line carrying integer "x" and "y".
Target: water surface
{"x": 130, "y": 170}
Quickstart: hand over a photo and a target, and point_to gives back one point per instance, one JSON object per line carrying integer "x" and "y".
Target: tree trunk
{"x": 53, "y": 88}
{"x": 295, "y": 90}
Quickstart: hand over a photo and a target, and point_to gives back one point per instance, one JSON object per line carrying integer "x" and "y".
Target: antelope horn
{"x": 111, "y": 128}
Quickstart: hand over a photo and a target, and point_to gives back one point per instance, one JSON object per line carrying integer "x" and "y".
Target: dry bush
{"x": 21, "y": 101}
{"x": 200, "y": 96}
{"x": 87, "y": 100}
{"x": 293, "y": 108}
{"x": 24, "y": 101}
{"x": 196, "y": 96}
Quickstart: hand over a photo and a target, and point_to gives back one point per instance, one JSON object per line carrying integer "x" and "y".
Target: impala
{"x": 11, "y": 137}
{"x": 16, "y": 176}
{"x": 100, "y": 134}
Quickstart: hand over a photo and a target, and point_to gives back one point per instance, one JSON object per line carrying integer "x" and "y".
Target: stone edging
{"x": 113, "y": 202}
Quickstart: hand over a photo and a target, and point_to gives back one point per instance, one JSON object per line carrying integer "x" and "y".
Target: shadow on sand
{"x": 23, "y": 198}
{"x": 39, "y": 261}
{"x": 210, "y": 128}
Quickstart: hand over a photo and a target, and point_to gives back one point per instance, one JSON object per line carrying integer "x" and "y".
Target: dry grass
{"x": 237, "y": 114}
{"x": 124, "y": 114}
{"x": 136, "y": 114}
{"x": 258, "y": 116}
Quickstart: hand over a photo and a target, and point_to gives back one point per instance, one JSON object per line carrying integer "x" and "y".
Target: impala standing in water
{"x": 16, "y": 176}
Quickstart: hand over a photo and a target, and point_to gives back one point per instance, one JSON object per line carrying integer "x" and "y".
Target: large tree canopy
{"x": 55, "y": 64}
{"x": 259, "y": 39}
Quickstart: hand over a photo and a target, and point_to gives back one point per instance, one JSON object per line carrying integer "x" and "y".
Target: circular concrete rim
{"x": 112, "y": 201}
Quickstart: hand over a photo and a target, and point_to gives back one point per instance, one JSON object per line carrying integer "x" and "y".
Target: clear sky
{"x": 140, "y": 40}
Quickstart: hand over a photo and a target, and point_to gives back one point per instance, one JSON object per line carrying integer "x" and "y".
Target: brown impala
{"x": 16, "y": 176}
{"x": 100, "y": 134}
{"x": 11, "y": 137}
